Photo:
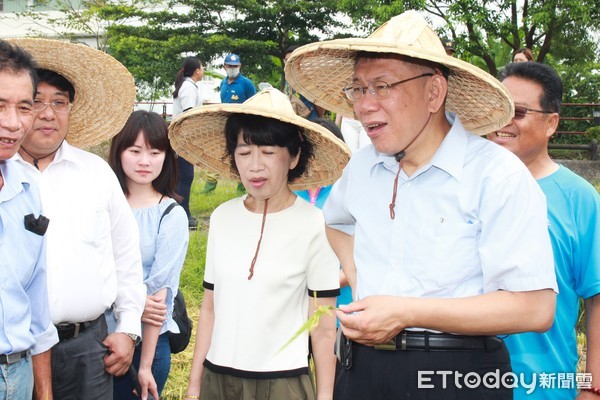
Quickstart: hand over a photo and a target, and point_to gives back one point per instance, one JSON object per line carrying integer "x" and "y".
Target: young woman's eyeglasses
{"x": 521, "y": 111}
{"x": 60, "y": 106}
{"x": 379, "y": 89}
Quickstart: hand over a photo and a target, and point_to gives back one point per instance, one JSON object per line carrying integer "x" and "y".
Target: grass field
{"x": 193, "y": 271}
{"x": 201, "y": 206}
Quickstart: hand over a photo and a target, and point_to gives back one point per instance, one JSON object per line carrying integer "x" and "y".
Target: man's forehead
{"x": 379, "y": 66}
{"x": 45, "y": 88}
{"x": 16, "y": 83}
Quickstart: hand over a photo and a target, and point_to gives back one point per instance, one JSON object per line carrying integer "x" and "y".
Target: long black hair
{"x": 187, "y": 69}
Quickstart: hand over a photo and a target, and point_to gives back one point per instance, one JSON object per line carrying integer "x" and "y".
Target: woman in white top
{"x": 185, "y": 97}
{"x": 268, "y": 262}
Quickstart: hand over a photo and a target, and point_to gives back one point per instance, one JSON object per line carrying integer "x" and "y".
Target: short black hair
{"x": 264, "y": 131}
{"x": 15, "y": 59}
{"x": 155, "y": 131}
{"x": 543, "y": 75}
{"x": 57, "y": 80}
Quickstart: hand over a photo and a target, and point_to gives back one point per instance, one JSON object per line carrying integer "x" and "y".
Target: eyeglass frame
{"x": 371, "y": 89}
{"x": 527, "y": 110}
{"x": 52, "y": 104}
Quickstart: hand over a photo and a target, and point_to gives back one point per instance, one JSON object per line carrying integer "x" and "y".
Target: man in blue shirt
{"x": 27, "y": 332}
{"x": 442, "y": 235}
{"x": 550, "y": 358}
{"x": 236, "y": 88}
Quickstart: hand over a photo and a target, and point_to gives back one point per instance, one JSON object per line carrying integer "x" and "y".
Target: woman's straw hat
{"x": 104, "y": 88}
{"x": 320, "y": 71}
{"x": 198, "y": 135}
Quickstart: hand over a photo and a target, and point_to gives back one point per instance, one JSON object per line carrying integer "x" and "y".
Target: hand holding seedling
{"x": 374, "y": 319}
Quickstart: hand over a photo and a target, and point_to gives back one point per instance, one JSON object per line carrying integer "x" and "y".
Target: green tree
{"x": 491, "y": 30}
{"x": 77, "y": 19}
{"x": 152, "y": 42}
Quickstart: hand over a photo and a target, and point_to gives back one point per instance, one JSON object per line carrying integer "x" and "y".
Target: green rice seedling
{"x": 311, "y": 323}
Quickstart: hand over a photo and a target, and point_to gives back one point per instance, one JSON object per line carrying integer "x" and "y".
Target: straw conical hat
{"x": 199, "y": 136}
{"x": 320, "y": 71}
{"x": 104, "y": 88}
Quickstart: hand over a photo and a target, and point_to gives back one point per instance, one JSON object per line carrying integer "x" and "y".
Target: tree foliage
{"x": 151, "y": 37}
{"x": 487, "y": 31}
{"x": 152, "y": 42}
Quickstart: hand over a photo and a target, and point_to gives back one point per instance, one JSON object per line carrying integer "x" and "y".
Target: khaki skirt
{"x": 217, "y": 386}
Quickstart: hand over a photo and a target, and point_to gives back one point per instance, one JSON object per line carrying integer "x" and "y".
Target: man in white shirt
{"x": 92, "y": 243}
{"x": 442, "y": 234}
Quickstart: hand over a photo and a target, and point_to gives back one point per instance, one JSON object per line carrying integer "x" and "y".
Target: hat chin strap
{"x": 399, "y": 156}
{"x": 262, "y": 229}
{"x": 36, "y": 160}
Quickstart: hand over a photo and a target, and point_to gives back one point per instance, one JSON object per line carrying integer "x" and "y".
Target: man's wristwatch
{"x": 136, "y": 339}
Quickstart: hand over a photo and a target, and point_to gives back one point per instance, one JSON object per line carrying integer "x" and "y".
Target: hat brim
{"x": 104, "y": 88}
{"x": 198, "y": 135}
{"x": 319, "y": 71}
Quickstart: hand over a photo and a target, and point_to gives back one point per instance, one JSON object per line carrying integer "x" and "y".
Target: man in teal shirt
{"x": 548, "y": 361}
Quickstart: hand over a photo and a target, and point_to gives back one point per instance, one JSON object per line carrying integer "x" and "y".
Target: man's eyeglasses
{"x": 521, "y": 111}
{"x": 379, "y": 89}
{"x": 58, "y": 106}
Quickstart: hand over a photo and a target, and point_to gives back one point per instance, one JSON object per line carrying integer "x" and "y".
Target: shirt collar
{"x": 449, "y": 157}
{"x": 187, "y": 78}
{"x": 15, "y": 180}
{"x": 65, "y": 152}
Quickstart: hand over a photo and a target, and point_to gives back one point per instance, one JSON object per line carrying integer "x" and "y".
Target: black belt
{"x": 428, "y": 341}
{"x": 13, "y": 358}
{"x": 70, "y": 330}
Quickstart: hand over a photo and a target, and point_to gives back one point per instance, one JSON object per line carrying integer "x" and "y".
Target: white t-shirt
{"x": 189, "y": 96}
{"x": 255, "y": 318}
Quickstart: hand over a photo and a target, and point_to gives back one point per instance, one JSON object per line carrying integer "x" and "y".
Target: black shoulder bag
{"x": 179, "y": 341}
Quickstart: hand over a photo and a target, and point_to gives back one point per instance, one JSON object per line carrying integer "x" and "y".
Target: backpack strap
{"x": 167, "y": 210}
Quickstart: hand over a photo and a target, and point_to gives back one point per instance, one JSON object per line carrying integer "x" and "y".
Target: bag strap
{"x": 167, "y": 210}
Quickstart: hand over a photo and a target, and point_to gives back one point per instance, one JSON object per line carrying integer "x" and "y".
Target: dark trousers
{"x": 78, "y": 366}
{"x": 184, "y": 185}
{"x": 422, "y": 375}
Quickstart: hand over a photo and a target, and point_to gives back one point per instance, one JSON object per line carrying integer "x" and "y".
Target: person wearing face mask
{"x": 236, "y": 88}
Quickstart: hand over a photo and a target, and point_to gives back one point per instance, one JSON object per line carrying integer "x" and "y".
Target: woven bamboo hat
{"x": 104, "y": 88}
{"x": 320, "y": 71}
{"x": 198, "y": 135}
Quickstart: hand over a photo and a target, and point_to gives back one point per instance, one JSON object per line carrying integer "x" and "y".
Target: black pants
{"x": 422, "y": 375}
{"x": 184, "y": 185}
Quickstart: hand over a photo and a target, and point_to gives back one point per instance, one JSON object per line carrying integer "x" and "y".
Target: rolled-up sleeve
{"x": 131, "y": 292}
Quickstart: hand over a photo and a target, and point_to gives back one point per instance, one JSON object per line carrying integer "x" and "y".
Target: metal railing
{"x": 593, "y": 116}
